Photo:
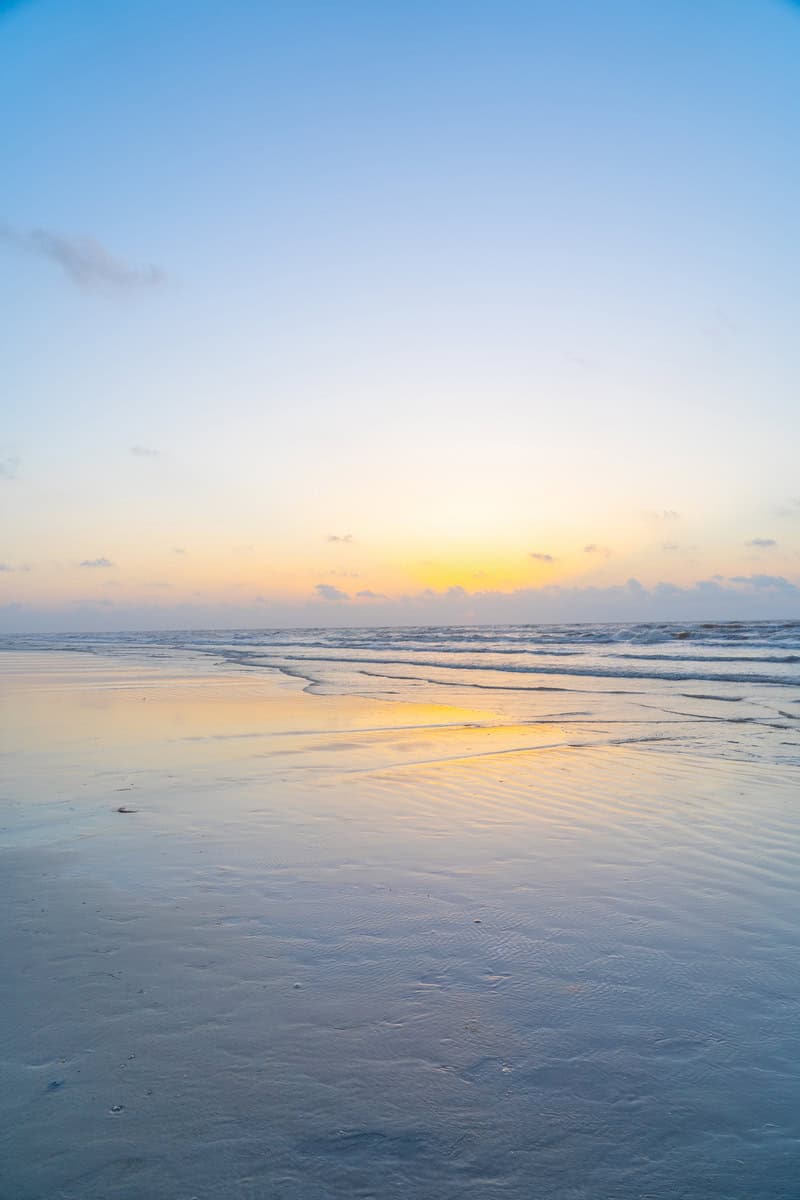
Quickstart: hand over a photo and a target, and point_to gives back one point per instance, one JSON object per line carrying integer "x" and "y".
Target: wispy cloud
{"x": 9, "y": 468}
{"x": 326, "y": 591}
{"x": 178, "y": 550}
{"x": 761, "y": 543}
{"x": 336, "y": 537}
{"x": 540, "y": 557}
{"x": 661, "y": 514}
{"x": 144, "y": 452}
{"x": 366, "y": 594}
{"x": 5, "y": 567}
{"x": 593, "y": 548}
{"x": 670, "y": 546}
{"x": 84, "y": 260}
{"x": 97, "y": 562}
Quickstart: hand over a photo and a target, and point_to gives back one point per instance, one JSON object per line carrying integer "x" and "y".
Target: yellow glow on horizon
{"x": 200, "y": 566}
{"x": 482, "y": 572}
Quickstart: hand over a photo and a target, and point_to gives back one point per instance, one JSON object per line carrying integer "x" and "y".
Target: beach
{"x": 400, "y": 601}
{"x": 295, "y": 917}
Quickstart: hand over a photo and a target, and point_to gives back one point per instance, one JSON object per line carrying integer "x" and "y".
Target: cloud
{"x": 366, "y": 594}
{"x": 593, "y": 548}
{"x": 5, "y": 567}
{"x": 661, "y": 514}
{"x": 670, "y": 546}
{"x": 97, "y": 562}
{"x": 84, "y": 261}
{"x": 144, "y": 452}
{"x": 764, "y": 581}
{"x": 714, "y": 599}
{"x": 761, "y": 543}
{"x": 578, "y": 360}
{"x": 328, "y": 592}
{"x": 545, "y": 558}
{"x": 9, "y": 468}
{"x": 178, "y": 550}
{"x": 343, "y": 538}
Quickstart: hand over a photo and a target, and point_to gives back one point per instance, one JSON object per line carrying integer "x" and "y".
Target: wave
{"x": 586, "y": 671}
{"x": 766, "y": 635}
{"x": 760, "y": 658}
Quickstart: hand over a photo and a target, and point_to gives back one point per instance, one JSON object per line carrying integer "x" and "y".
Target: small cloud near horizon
{"x": 593, "y": 548}
{"x": 5, "y": 567}
{"x": 9, "y": 467}
{"x": 761, "y": 543}
{"x": 366, "y": 594}
{"x": 764, "y": 581}
{"x": 670, "y": 546}
{"x": 540, "y": 557}
{"x": 661, "y": 514}
{"x": 83, "y": 260}
{"x": 326, "y": 591}
{"x": 179, "y": 550}
{"x": 144, "y": 452}
{"x": 345, "y": 538}
{"x": 96, "y": 562}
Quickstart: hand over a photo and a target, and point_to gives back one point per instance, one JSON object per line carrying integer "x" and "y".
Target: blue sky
{"x": 415, "y": 301}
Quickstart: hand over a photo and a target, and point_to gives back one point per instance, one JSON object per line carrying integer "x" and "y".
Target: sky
{"x": 345, "y": 313}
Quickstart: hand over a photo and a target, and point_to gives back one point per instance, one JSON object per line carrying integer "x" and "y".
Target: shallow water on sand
{"x": 363, "y": 947}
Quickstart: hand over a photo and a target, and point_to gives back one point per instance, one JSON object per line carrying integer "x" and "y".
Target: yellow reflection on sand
{"x": 124, "y": 715}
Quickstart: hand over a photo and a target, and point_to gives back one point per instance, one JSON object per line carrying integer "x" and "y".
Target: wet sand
{"x": 355, "y": 948}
